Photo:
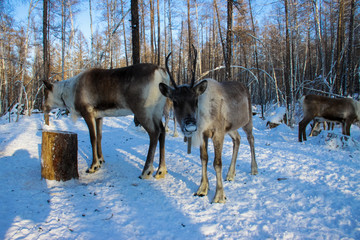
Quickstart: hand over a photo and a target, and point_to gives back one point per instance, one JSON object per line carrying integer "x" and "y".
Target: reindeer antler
{"x": 168, "y": 71}
{"x": 194, "y": 67}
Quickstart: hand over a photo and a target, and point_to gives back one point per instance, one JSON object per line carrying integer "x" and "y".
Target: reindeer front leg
{"x": 219, "y": 194}
{"x": 162, "y": 171}
{"x": 204, "y": 184}
{"x": 91, "y": 123}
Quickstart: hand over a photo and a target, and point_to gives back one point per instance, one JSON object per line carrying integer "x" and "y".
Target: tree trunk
{"x": 19, "y": 110}
{"x": 63, "y": 37}
{"x": 46, "y": 63}
{"x": 91, "y": 37}
{"x": 124, "y": 34}
{"x": 135, "y": 31}
{"x": 198, "y": 37}
{"x": 170, "y": 36}
{"x": 189, "y": 68}
{"x": 319, "y": 38}
{"x": 152, "y": 31}
{"x": 158, "y": 31}
{"x": 349, "y": 68}
{"x": 59, "y": 155}
{"x": 339, "y": 48}
{"x": 228, "y": 40}
{"x": 287, "y": 70}
{"x": 220, "y": 33}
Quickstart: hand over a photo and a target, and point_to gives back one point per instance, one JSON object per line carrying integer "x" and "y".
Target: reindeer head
{"x": 53, "y": 97}
{"x": 185, "y": 99}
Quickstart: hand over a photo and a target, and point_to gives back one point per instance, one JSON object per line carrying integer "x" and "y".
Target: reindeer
{"x": 343, "y": 110}
{"x": 99, "y": 93}
{"x": 210, "y": 109}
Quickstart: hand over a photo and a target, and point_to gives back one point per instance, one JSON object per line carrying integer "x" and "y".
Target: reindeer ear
{"x": 200, "y": 87}
{"x": 165, "y": 90}
{"x": 48, "y": 85}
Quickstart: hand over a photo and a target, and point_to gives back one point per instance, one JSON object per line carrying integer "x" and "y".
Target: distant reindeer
{"x": 99, "y": 93}
{"x": 343, "y": 110}
{"x": 211, "y": 110}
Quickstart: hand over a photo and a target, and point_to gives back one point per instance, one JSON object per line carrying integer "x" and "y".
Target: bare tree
{"x": 135, "y": 31}
{"x": 228, "y": 55}
{"x": 91, "y": 36}
{"x": 124, "y": 34}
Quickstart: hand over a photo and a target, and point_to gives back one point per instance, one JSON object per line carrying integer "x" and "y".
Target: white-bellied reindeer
{"x": 98, "y": 93}
{"x": 343, "y": 110}
{"x": 210, "y": 109}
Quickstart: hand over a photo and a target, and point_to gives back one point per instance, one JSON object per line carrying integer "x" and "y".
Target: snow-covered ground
{"x": 305, "y": 190}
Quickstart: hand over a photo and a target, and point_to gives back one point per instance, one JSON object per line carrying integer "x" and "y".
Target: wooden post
{"x": 188, "y": 140}
{"x": 59, "y": 155}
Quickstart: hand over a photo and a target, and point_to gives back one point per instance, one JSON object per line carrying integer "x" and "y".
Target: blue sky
{"x": 82, "y": 19}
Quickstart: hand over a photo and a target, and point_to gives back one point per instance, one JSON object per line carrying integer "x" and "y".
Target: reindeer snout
{"x": 189, "y": 126}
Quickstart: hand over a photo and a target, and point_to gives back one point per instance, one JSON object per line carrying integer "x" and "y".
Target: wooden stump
{"x": 59, "y": 155}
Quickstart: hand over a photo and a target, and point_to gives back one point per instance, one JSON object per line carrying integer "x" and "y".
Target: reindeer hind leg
{"x": 99, "y": 123}
{"x": 91, "y": 123}
{"x": 250, "y": 137}
{"x": 218, "y": 141}
{"x": 153, "y": 130}
{"x": 235, "y": 136}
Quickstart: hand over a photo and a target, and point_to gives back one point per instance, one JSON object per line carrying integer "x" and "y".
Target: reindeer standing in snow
{"x": 99, "y": 93}
{"x": 343, "y": 110}
{"x": 210, "y": 109}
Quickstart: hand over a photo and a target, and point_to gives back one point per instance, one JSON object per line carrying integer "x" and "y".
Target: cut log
{"x": 59, "y": 152}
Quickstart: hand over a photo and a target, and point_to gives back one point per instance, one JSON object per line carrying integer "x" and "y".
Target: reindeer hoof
{"x": 221, "y": 199}
{"x": 93, "y": 169}
{"x": 230, "y": 177}
{"x": 201, "y": 192}
{"x": 160, "y": 173}
{"x": 199, "y": 195}
{"x": 101, "y": 161}
{"x": 146, "y": 174}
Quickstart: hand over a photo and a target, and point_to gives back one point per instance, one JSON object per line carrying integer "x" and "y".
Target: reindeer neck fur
{"x": 64, "y": 94}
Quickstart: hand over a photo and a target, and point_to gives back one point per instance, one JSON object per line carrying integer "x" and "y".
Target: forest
{"x": 281, "y": 49}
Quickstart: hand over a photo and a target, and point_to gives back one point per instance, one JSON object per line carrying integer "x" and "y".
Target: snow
{"x": 278, "y": 115}
{"x": 308, "y": 190}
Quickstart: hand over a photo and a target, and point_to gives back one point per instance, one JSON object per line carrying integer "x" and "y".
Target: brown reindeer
{"x": 343, "y": 110}
{"x": 210, "y": 109}
{"x": 99, "y": 93}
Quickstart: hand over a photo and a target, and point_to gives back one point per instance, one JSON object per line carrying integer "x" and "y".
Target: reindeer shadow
{"x": 23, "y": 195}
